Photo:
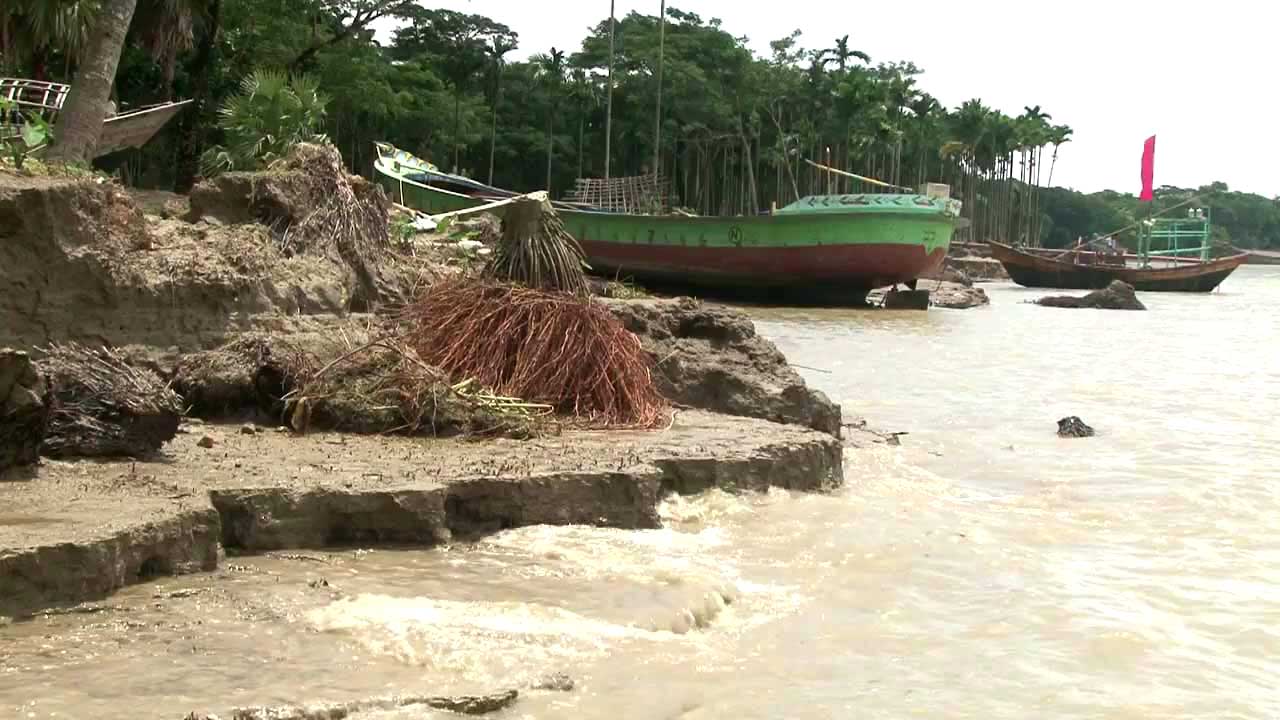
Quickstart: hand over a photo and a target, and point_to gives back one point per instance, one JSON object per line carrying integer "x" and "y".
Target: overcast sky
{"x": 1201, "y": 76}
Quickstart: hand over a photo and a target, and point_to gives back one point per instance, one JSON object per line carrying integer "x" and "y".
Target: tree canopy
{"x": 739, "y": 131}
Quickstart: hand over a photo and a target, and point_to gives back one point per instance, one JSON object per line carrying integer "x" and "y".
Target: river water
{"x": 984, "y": 569}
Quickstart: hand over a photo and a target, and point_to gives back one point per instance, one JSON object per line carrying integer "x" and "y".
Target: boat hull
{"x": 829, "y": 250}
{"x": 768, "y": 252}
{"x": 1042, "y": 272}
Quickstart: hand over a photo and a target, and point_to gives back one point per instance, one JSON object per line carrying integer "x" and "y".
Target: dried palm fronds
{"x": 384, "y": 387}
{"x": 103, "y": 406}
{"x": 546, "y": 347}
{"x": 339, "y": 214}
{"x": 535, "y": 251}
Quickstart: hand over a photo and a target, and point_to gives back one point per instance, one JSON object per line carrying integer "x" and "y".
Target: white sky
{"x": 1201, "y": 76}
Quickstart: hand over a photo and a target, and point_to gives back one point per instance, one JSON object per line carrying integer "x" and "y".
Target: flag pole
{"x": 608, "y": 114}
{"x": 657, "y": 123}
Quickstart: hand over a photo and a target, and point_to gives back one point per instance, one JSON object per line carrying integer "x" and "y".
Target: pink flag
{"x": 1148, "y": 170}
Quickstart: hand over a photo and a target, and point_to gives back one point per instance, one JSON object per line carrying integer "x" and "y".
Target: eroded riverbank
{"x": 80, "y": 530}
{"x": 85, "y": 263}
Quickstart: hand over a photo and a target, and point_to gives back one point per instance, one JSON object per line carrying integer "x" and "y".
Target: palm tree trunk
{"x": 608, "y": 113}
{"x": 581, "y": 126}
{"x": 746, "y": 161}
{"x": 550, "y": 125}
{"x": 657, "y": 122}
{"x": 80, "y": 121}
{"x": 190, "y": 130}
{"x": 457, "y": 123}
{"x": 493, "y": 130}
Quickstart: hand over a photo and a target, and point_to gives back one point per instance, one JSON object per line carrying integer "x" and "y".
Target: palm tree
{"x": 168, "y": 28}
{"x": 36, "y": 29}
{"x": 1035, "y": 135}
{"x": 551, "y": 68}
{"x": 969, "y": 127}
{"x": 608, "y": 113}
{"x": 584, "y": 94}
{"x": 1059, "y": 135}
{"x": 841, "y": 54}
{"x": 497, "y": 50}
{"x": 80, "y": 121}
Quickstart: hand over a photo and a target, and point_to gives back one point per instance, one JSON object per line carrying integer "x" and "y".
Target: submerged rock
{"x": 556, "y": 682}
{"x": 1118, "y": 295}
{"x": 906, "y": 299}
{"x": 711, "y": 358}
{"x": 463, "y": 704}
{"x": 24, "y": 409}
{"x": 958, "y": 297}
{"x": 1074, "y": 427}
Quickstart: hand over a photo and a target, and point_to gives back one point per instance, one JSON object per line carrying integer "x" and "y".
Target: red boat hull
{"x": 857, "y": 267}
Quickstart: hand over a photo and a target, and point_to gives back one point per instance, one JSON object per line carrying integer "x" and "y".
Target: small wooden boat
{"x": 131, "y": 129}
{"x": 1092, "y": 270}
{"x": 826, "y": 249}
{"x": 1095, "y": 265}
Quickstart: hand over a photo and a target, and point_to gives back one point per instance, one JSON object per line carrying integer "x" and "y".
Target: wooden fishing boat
{"x": 829, "y": 249}
{"x": 131, "y": 129}
{"x": 1093, "y": 270}
{"x": 1159, "y": 265}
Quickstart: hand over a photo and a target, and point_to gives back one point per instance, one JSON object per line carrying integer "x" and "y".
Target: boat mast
{"x": 608, "y": 113}
{"x": 657, "y": 123}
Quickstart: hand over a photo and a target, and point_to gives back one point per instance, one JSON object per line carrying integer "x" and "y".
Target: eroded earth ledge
{"x": 82, "y": 530}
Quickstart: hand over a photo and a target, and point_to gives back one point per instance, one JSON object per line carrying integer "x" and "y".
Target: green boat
{"x": 829, "y": 249}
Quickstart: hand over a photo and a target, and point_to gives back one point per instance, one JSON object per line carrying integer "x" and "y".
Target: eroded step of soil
{"x": 76, "y": 531}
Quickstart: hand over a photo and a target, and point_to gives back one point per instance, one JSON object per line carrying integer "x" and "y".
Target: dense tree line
{"x": 1243, "y": 220}
{"x": 737, "y": 130}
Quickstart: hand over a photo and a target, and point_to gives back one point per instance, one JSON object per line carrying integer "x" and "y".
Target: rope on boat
{"x": 873, "y": 181}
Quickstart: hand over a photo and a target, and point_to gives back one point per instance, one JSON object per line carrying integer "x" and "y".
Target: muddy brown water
{"x": 985, "y": 569}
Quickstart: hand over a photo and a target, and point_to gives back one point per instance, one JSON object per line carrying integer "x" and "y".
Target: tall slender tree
{"x": 79, "y": 124}
{"x": 551, "y": 69}
{"x": 657, "y": 123}
{"x": 498, "y": 48}
{"x": 608, "y": 115}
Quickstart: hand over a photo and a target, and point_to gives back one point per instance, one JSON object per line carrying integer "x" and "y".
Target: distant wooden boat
{"x": 1159, "y": 265}
{"x": 826, "y": 249}
{"x": 1093, "y": 270}
{"x": 130, "y": 129}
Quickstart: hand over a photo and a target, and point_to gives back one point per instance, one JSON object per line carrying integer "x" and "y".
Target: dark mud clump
{"x": 711, "y": 358}
{"x": 1118, "y": 295}
{"x": 24, "y": 409}
{"x": 251, "y": 375}
{"x": 1074, "y": 427}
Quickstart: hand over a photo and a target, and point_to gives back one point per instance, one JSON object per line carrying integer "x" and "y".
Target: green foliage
{"x": 21, "y": 134}
{"x": 1244, "y": 220}
{"x": 736, "y": 127}
{"x": 271, "y": 113}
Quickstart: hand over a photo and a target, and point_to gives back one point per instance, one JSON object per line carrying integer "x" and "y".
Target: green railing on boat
{"x": 1173, "y": 237}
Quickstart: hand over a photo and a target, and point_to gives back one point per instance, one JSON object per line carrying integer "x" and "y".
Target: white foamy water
{"x": 986, "y": 569}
